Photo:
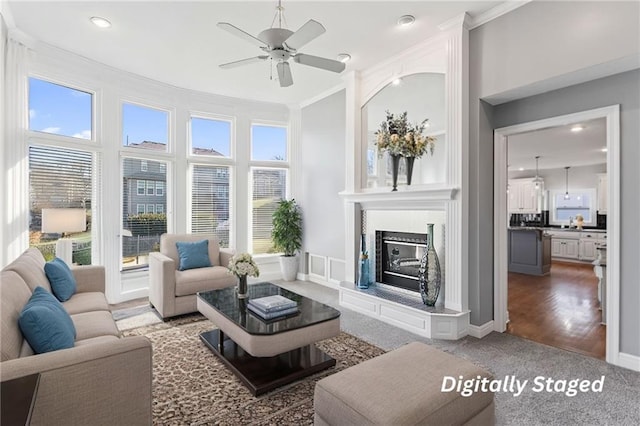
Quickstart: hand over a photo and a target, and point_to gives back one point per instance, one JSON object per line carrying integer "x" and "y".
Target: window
{"x": 59, "y": 178}
{"x": 210, "y": 201}
{"x": 60, "y": 110}
{"x": 159, "y": 189}
{"x": 269, "y": 186}
{"x": 268, "y": 143}
{"x": 142, "y": 223}
{"x": 144, "y": 128}
{"x": 141, "y": 187}
{"x": 151, "y": 187}
{"x": 210, "y": 137}
{"x": 144, "y": 166}
{"x": 579, "y": 202}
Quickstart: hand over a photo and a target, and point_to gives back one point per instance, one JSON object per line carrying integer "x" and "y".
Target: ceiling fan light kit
{"x": 281, "y": 44}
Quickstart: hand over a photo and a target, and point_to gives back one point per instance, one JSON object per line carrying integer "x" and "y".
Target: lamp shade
{"x": 64, "y": 220}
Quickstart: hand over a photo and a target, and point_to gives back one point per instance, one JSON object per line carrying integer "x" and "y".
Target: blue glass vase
{"x": 363, "y": 276}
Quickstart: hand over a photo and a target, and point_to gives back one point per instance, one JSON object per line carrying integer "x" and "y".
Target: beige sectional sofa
{"x": 103, "y": 379}
{"x": 173, "y": 292}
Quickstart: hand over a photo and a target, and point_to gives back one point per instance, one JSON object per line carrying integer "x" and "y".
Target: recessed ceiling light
{"x": 396, "y": 82}
{"x": 100, "y": 22}
{"x": 521, "y": 169}
{"x": 577, "y": 128}
{"x": 604, "y": 149}
{"x": 344, "y": 57}
{"x": 406, "y": 20}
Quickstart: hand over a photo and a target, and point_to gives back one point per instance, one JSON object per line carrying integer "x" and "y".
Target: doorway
{"x": 501, "y": 219}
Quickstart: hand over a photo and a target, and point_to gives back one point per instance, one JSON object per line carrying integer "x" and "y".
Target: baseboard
{"x": 479, "y": 331}
{"x": 302, "y": 277}
{"x": 632, "y": 362}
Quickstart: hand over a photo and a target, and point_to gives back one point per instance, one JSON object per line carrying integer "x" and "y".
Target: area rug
{"x": 192, "y": 387}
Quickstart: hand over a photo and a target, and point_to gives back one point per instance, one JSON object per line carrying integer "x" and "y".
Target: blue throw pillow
{"x": 45, "y": 323}
{"x": 193, "y": 255}
{"x": 63, "y": 283}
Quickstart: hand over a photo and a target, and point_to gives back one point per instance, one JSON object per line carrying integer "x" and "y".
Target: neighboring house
{"x": 144, "y": 187}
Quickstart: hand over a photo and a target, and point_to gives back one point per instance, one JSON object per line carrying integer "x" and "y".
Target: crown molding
{"x": 496, "y": 12}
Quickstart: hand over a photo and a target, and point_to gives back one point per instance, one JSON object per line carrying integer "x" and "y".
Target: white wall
{"x": 580, "y": 177}
{"x": 3, "y": 60}
{"x": 323, "y": 174}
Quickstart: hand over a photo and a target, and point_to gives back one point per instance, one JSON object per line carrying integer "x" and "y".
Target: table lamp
{"x": 61, "y": 221}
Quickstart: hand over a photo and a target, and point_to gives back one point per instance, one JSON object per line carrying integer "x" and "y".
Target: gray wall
{"x": 323, "y": 175}
{"x": 551, "y": 43}
{"x": 623, "y": 89}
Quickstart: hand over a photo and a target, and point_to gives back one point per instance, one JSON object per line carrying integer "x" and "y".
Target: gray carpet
{"x": 506, "y": 355}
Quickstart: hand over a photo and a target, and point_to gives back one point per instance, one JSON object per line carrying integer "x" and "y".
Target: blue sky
{"x": 61, "y": 110}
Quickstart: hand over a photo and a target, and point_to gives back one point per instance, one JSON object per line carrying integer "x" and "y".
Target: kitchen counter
{"x": 529, "y": 250}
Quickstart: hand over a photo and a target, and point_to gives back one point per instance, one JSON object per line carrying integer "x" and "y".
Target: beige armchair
{"x": 173, "y": 292}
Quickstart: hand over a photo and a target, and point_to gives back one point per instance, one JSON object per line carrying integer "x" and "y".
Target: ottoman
{"x": 403, "y": 387}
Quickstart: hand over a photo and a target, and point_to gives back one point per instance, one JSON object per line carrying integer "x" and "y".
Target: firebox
{"x": 398, "y": 256}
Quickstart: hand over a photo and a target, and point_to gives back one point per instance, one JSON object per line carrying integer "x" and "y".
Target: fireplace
{"x": 398, "y": 256}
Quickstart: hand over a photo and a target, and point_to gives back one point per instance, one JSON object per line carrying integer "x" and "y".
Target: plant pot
{"x": 289, "y": 267}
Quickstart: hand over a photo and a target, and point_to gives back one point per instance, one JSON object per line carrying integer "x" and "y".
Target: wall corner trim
{"x": 480, "y": 331}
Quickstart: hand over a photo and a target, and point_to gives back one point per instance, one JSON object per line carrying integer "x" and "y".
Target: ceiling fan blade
{"x": 284, "y": 74}
{"x": 318, "y": 62}
{"x": 242, "y": 34}
{"x": 305, "y": 34}
{"x": 243, "y": 62}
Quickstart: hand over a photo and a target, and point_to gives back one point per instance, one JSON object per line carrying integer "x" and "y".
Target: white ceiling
{"x": 178, "y": 42}
{"x": 559, "y": 147}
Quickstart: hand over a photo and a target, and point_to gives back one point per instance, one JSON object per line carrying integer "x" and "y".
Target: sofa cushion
{"x": 86, "y": 302}
{"x": 30, "y": 266}
{"x": 94, "y": 324}
{"x": 168, "y": 246}
{"x": 15, "y": 294}
{"x": 194, "y": 280}
{"x": 45, "y": 324}
{"x": 63, "y": 283}
{"x": 193, "y": 254}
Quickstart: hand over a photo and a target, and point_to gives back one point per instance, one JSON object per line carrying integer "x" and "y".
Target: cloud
{"x": 51, "y": 130}
{"x": 32, "y": 113}
{"x": 85, "y": 134}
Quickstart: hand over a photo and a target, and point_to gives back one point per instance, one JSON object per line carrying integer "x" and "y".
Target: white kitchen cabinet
{"x": 576, "y": 245}
{"x": 602, "y": 193}
{"x": 523, "y": 196}
{"x": 567, "y": 248}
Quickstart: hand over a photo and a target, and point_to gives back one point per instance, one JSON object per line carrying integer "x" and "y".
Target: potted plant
{"x": 287, "y": 236}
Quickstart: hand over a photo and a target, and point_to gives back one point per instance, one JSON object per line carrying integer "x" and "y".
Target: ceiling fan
{"x": 280, "y": 44}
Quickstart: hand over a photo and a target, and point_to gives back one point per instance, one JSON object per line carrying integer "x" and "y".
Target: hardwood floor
{"x": 560, "y": 309}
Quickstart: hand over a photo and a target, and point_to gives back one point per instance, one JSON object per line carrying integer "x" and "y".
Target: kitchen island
{"x": 529, "y": 250}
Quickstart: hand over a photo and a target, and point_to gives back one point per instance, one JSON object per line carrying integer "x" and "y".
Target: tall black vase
{"x": 395, "y": 164}
{"x": 429, "y": 274}
{"x": 409, "y": 162}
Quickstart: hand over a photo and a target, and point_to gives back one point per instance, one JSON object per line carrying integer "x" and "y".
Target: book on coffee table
{"x": 272, "y": 315}
{"x": 273, "y": 303}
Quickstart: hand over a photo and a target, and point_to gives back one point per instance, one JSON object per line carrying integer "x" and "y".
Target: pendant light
{"x": 537, "y": 180}
{"x": 566, "y": 191}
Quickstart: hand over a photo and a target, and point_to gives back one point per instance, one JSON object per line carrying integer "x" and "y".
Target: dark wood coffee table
{"x": 18, "y": 399}
{"x": 268, "y": 354}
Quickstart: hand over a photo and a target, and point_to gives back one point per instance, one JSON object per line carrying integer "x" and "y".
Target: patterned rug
{"x": 191, "y": 386}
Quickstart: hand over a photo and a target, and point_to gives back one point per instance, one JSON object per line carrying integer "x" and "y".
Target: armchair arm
{"x": 106, "y": 383}
{"x": 162, "y": 283}
{"x": 89, "y": 278}
{"x": 225, "y": 256}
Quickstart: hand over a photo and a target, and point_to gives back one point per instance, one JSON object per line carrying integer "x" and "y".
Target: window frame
{"x": 553, "y": 193}
{"x": 270, "y": 163}
{"x": 148, "y": 153}
{"x": 95, "y": 126}
{"x": 213, "y": 117}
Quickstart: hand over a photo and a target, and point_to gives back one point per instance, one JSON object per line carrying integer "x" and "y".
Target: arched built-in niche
{"x": 422, "y": 96}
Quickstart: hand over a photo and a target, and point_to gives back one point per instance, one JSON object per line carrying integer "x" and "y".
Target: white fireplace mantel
{"x": 419, "y": 197}
{"x": 448, "y": 53}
